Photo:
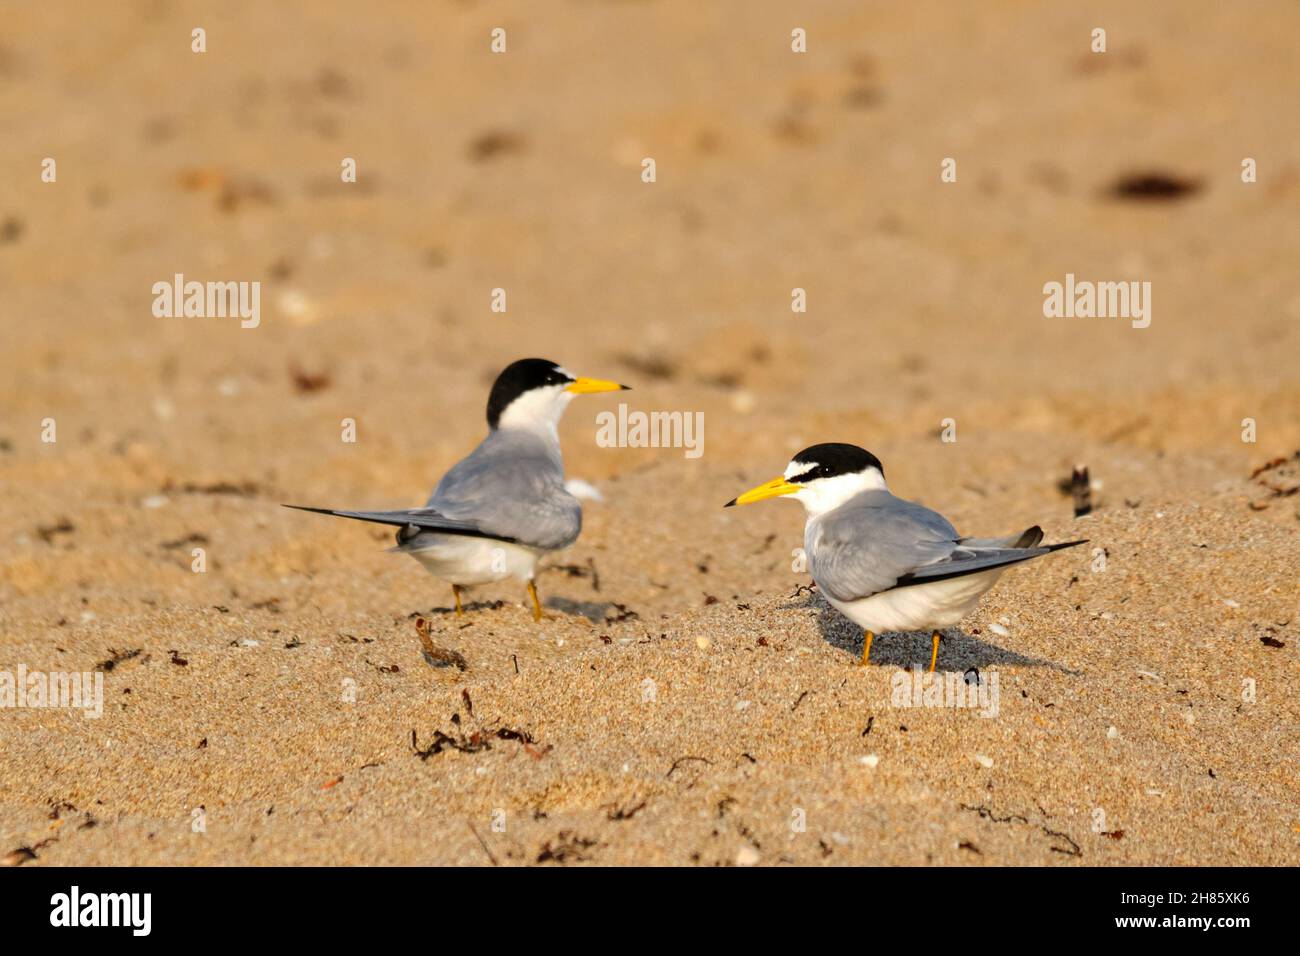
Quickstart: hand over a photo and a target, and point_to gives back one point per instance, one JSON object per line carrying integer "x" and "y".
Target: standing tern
{"x": 884, "y": 563}
{"x": 497, "y": 511}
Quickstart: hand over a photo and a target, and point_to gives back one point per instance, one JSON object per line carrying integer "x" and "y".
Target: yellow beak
{"x": 770, "y": 489}
{"x": 584, "y": 386}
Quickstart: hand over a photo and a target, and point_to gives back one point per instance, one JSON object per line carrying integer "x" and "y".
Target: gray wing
{"x": 512, "y": 487}
{"x": 871, "y": 541}
{"x": 968, "y": 560}
{"x": 875, "y": 542}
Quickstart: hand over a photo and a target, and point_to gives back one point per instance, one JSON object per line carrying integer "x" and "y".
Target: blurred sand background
{"x": 1121, "y": 691}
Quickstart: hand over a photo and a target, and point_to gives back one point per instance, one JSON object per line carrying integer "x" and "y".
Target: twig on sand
{"x": 483, "y": 844}
{"x": 680, "y": 760}
{"x": 1081, "y": 489}
{"x": 434, "y": 655}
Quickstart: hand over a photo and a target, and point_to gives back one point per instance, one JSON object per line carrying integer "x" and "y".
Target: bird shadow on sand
{"x": 469, "y": 608}
{"x": 958, "y": 651}
{"x": 597, "y": 612}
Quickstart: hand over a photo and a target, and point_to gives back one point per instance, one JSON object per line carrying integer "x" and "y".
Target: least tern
{"x": 884, "y": 563}
{"x": 497, "y": 511}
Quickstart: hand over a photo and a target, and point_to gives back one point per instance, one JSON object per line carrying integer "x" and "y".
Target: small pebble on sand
{"x": 742, "y": 402}
{"x": 746, "y": 856}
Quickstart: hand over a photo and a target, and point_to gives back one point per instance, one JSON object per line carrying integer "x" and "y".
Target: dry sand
{"x": 1123, "y": 733}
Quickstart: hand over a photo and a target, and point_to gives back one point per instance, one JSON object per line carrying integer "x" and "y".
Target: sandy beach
{"x": 690, "y": 700}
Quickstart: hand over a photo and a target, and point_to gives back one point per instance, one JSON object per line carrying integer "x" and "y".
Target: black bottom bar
{"x": 333, "y": 906}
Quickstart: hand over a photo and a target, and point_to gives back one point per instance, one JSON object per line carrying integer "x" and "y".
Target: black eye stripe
{"x": 821, "y": 471}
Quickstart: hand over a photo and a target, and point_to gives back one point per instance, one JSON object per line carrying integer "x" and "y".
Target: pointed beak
{"x": 585, "y": 386}
{"x": 770, "y": 489}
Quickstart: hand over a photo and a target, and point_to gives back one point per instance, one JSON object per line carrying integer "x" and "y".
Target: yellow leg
{"x": 537, "y": 605}
{"x": 934, "y": 652}
{"x": 455, "y": 593}
{"x": 866, "y": 647}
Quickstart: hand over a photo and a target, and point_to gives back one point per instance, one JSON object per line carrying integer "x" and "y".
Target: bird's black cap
{"x": 834, "y": 458}
{"x": 519, "y": 377}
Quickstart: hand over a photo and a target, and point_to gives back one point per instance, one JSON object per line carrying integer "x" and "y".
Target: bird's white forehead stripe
{"x": 564, "y": 371}
{"x": 798, "y": 468}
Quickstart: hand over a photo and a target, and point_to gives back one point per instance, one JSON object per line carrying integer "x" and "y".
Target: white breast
{"x": 459, "y": 559}
{"x": 919, "y": 607}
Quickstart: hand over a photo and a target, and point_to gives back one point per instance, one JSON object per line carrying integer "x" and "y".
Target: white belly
{"x": 920, "y": 607}
{"x": 459, "y": 559}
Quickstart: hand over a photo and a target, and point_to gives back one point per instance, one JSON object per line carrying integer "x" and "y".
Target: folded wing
{"x": 512, "y": 486}
{"x": 867, "y": 544}
{"x": 966, "y": 560}
{"x": 876, "y": 542}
